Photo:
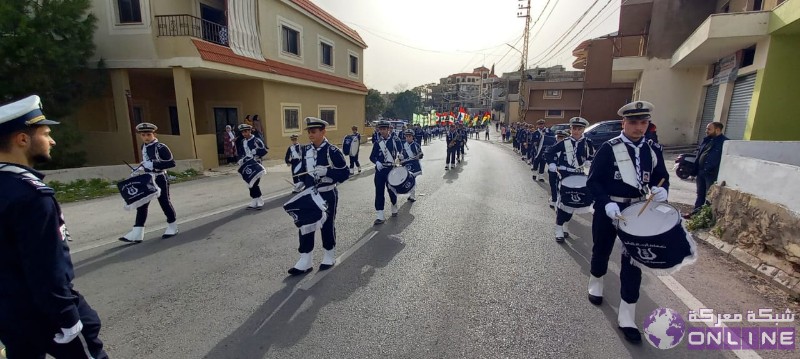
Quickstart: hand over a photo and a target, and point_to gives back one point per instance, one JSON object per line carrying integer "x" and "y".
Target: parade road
{"x": 470, "y": 270}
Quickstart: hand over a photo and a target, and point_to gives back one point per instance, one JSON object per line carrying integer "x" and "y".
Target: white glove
{"x": 299, "y": 185}
{"x": 612, "y": 210}
{"x": 378, "y": 166}
{"x": 68, "y": 334}
{"x": 320, "y": 171}
{"x": 552, "y": 167}
{"x": 587, "y": 164}
{"x": 240, "y": 161}
{"x": 659, "y": 194}
{"x": 148, "y": 165}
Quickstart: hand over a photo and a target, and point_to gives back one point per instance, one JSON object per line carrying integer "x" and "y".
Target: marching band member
{"x": 324, "y": 167}
{"x": 353, "y": 139}
{"x": 40, "y": 310}
{"x": 452, "y": 139}
{"x": 462, "y": 141}
{"x": 540, "y": 137}
{"x": 251, "y": 147}
{"x": 623, "y": 169}
{"x": 412, "y": 153}
{"x": 553, "y": 174}
{"x": 156, "y": 159}
{"x": 292, "y": 159}
{"x": 384, "y": 153}
{"x": 567, "y": 158}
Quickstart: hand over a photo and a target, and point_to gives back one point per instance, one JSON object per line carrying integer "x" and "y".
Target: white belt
{"x": 626, "y": 199}
{"x": 326, "y": 188}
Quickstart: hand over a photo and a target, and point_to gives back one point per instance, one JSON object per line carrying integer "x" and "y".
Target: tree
{"x": 374, "y": 104}
{"x": 406, "y": 104}
{"x": 45, "y": 46}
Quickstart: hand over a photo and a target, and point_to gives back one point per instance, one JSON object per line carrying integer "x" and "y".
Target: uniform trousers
{"x": 487, "y": 136}
{"x": 381, "y": 186}
{"x": 292, "y": 165}
{"x": 328, "y": 228}
{"x": 255, "y": 191}
{"x": 604, "y": 234}
{"x": 704, "y": 183}
{"x": 163, "y": 201}
{"x": 32, "y": 336}
{"x": 538, "y": 164}
{"x": 354, "y": 162}
{"x": 553, "y": 179}
{"x": 451, "y": 155}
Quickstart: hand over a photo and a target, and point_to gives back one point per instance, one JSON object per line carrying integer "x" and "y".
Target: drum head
{"x": 658, "y": 218}
{"x": 354, "y": 148}
{"x": 397, "y": 176}
{"x": 574, "y": 181}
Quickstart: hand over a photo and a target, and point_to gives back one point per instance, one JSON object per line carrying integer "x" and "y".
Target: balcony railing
{"x": 630, "y": 46}
{"x": 188, "y": 25}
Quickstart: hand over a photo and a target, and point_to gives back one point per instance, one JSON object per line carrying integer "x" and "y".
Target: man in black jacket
{"x": 709, "y": 155}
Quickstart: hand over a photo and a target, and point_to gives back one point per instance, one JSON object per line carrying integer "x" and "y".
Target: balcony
{"x": 187, "y": 25}
{"x": 721, "y": 35}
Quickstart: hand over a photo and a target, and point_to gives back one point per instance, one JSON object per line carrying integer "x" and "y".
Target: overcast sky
{"x": 414, "y": 42}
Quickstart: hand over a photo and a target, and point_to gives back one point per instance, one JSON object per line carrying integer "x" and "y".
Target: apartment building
{"x": 194, "y": 66}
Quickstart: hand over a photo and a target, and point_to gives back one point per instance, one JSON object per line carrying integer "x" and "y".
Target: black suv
{"x": 603, "y": 131}
{"x": 559, "y": 127}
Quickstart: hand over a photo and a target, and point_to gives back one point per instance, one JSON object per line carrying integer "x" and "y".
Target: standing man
{"x": 623, "y": 171}
{"x": 156, "y": 159}
{"x": 292, "y": 160}
{"x": 709, "y": 155}
{"x": 250, "y": 147}
{"x": 451, "y": 139}
{"x": 419, "y": 133}
{"x": 384, "y": 153}
{"x": 568, "y": 158}
{"x": 553, "y": 174}
{"x": 353, "y": 139}
{"x": 325, "y": 167}
{"x": 40, "y": 312}
{"x": 486, "y": 130}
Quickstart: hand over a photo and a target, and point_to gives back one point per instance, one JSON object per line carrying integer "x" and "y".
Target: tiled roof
{"x": 329, "y": 19}
{"x": 224, "y": 55}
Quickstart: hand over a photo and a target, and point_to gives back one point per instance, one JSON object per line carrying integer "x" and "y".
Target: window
{"x": 758, "y": 5}
{"x": 748, "y": 56}
{"x": 326, "y": 54}
{"x": 328, "y": 114}
{"x": 552, "y": 94}
{"x": 353, "y": 64}
{"x": 290, "y": 40}
{"x": 138, "y": 114}
{"x": 173, "y": 121}
{"x": 291, "y": 118}
{"x": 554, "y": 114}
{"x": 129, "y": 12}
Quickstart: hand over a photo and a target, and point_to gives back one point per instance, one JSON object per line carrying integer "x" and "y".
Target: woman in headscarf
{"x": 229, "y": 144}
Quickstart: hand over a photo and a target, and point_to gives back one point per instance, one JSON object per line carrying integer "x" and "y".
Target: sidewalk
{"x": 100, "y": 221}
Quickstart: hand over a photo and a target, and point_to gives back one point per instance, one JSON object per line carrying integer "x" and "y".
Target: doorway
{"x": 214, "y": 24}
{"x": 224, "y": 116}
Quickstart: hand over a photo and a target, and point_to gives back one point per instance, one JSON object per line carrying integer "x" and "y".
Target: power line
{"x": 563, "y": 36}
{"x": 579, "y": 32}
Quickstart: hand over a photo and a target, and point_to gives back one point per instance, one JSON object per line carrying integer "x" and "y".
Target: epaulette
{"x": 40, "y": 186}
{"x": 334, "y": 148}
{"x": 615, "y": 141}
{"x": 654, "y": 144}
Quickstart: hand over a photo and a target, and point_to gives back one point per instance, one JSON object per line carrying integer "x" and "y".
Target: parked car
{"x": 603, "y": 131}
{"x": 559, "y": 127}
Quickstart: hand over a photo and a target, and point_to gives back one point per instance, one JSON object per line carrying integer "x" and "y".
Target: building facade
{"x": 194, "y": 66}
{"x": 468, "y": 90}
{"x": 704, "y": 61}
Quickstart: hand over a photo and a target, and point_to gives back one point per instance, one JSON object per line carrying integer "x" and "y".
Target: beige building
{"x": 194, "y": 66}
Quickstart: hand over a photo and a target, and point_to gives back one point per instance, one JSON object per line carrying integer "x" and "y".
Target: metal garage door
{"x": 708, "y": 111}
{"x": 740, "y": 106}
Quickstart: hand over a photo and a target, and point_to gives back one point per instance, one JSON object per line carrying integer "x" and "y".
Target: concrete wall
{"x": 672, "y": 22}
{"x": 599, "y": 62}
{"x": 110, "y": 173}
{"x": 602, "y": 104}
{"x": 535, "y": 115}
{"x": 767, "y": 170}
{"x": 635, "y": 18}
{"x": 570, "y": 100}
{"x": 676, "y": 95}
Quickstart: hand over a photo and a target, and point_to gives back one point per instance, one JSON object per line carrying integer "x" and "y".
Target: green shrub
{"x": 702, "y": 219}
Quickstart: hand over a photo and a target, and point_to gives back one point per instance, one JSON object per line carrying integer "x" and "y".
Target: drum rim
{"x": 633, "y": 212}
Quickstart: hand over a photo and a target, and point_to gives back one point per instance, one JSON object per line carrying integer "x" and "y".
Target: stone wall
{"x": 761, "y": 234}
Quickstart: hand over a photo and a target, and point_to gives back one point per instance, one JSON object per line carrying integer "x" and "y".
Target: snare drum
{"x": 138, "y": 190}
{"x": 573, "y": 195}
{"x": 400, "y": 180}
{"x": 354, "y": 147}
{"x": 657, "y": 239}
{"x": 251, "y": 171}
{"x": 308, "y": 210}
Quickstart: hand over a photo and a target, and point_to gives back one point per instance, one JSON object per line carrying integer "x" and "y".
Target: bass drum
{"x": 400, "y": 180}
{"x": 354, "y": 147}
{"x": 573, "y": 195}
{"x": 138, "y": 190}
{"x": 657, "y": 239}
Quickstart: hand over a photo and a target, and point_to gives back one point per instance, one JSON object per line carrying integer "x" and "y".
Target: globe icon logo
{"x": 664, "y": 328}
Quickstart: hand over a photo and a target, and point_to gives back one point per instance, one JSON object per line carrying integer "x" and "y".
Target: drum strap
{"x": 409, "y": 150}
{"x": 387, "y": 157}
{"x": 541, "y": 142}
{"x": 625, "y": 165}
{"x": 295, "y": 152}
{"x": 569, "y": 150}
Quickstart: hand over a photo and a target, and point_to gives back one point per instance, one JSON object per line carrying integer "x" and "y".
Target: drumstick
{"x": 307, "y": 172}
{"x": 651, "y": 198}
{"x": 129, "y": 166}
{"x": 290, "y": 182}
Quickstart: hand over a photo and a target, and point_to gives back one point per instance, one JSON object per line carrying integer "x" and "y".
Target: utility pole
{"x": 525, "y": 11}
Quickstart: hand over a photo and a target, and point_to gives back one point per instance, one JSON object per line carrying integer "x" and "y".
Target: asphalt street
{"x": 470, "y": 270}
